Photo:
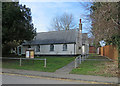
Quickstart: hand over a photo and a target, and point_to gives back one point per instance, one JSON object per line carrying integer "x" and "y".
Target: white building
{"x": 69, "y": 42}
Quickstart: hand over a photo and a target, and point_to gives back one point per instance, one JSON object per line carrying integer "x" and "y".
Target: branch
{"x": 115, "y": 21}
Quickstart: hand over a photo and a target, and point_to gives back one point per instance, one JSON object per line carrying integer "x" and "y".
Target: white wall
{"x": 58, "y": 49}
{"x": 85, "y": 49}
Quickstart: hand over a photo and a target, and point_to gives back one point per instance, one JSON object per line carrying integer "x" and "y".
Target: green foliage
{"x": 115, "y": 40}
{"x": 16, "y": 23}
{"x": 53, "y": 63}
{"x": 95, "y": 6}
{"x": 6, "y": 49}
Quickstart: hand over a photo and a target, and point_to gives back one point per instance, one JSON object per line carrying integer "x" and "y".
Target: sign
{"x": 27, "y": 54}
{"x": 31, "y": 54}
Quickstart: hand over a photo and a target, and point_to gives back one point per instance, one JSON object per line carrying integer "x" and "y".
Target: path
{"x": 66, "y": 69}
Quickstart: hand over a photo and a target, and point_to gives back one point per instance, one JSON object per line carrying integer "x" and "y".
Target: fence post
{"x": 75, "y": 62}
{"x": 80, "y": 59}
{"x": 20, "y": 61}
{"x": 45, "y": 62}
{"x": 85, "y": 57}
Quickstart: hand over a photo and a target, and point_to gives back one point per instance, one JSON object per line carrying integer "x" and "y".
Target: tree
{"x": 0, "y": 29}
{"x": 63, "y": 22}
{"x": 17, "y": 24}
{"x": 105, "y": 21}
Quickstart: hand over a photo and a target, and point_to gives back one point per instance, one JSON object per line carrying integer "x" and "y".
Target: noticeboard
{"x": 29, "y": 53}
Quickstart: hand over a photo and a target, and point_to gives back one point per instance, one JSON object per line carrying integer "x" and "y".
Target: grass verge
{"x": 53, "y": 63}
{"x": 97, "y": 67}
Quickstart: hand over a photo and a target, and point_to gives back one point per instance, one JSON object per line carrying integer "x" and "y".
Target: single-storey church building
{"x": 64, "y": 42}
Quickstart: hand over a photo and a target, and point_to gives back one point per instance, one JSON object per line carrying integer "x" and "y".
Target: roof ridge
{"x": 51, "y": 37}
{"x": 56, "y": 31}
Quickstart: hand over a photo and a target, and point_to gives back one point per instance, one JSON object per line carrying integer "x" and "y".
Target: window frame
{"x": 52, "y": 47}
{"x": 64, "y": 47}
{"x": 38, "y": 48}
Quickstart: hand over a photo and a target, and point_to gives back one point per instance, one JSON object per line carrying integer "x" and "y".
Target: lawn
{"x": 96, "y": 67}
{"x": 96, "y": 56}
{"x": 53, "y": 63}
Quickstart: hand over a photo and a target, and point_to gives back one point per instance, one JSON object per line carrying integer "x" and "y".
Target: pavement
{"x": 99, "y": 79}
{"x": 66, "y": 69}
{"x": 22, "y": 79}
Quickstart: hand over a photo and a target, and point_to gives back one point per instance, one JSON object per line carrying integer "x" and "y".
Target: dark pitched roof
{"x": 54, "y": 37}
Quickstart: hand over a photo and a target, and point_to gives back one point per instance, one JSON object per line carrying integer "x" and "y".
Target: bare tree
{"x": 63, "y": 22}
{"x": 105, "y": 20}
{"x": 86, "y": 19}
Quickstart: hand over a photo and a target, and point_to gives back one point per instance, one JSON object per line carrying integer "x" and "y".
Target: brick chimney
{"x": 79, "y": 39}
{"x": 80, "y": 26}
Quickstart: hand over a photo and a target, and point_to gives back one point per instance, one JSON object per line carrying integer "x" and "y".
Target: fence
{"x": 20, "y": 59}
{"x": 92, "y": 49}
{"x": 79, "y": 59}
{"x": 109, "y": 51}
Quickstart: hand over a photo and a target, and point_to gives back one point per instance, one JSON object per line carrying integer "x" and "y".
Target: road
{"x": 22, "y": 79}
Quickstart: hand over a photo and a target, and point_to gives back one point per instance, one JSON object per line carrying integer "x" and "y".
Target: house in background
{"x": 92, "y": 48}
{"x": 64, "y": 42}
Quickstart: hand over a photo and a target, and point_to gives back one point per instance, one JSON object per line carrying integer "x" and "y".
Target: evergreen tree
{"x": 17, "y": 24}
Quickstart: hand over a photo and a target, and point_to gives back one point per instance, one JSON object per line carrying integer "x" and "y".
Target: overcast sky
{"x": 43, "y": 13}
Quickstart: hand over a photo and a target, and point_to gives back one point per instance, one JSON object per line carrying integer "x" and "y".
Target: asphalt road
{"x": 21, "y": 79}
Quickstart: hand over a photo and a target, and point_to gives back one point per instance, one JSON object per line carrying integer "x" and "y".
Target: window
{"x": 64, "y": 47}
{"x": 51, "y": 47}
{"x": 38, "y": 48}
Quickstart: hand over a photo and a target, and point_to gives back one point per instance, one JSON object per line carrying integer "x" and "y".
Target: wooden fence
{"x": 109, "y": 51}
{"x": 92, "y": 49}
